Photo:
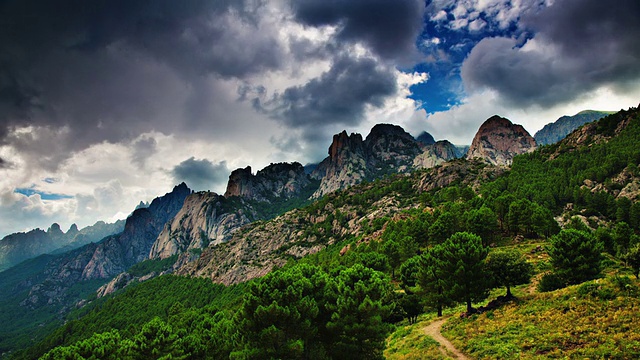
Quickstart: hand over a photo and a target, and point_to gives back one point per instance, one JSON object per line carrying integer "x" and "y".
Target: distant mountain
{"x": 558, "y": 130}
{"x": 426, "y": 139}
{"x": 107, "y": 258}
{"x": 498, "y": 140}
{"x": 436, "y": 154}
{"x": 18, "y": 247}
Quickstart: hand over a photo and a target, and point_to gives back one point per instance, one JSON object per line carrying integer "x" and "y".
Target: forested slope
{"x": 387, "y": 251}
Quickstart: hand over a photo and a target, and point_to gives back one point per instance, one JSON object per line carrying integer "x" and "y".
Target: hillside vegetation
{"x": 358, "y": 269}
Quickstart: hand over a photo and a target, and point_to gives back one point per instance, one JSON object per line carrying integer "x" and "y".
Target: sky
{"x": 107, "y": 103}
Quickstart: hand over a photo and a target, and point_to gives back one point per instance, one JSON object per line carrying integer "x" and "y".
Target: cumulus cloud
{"x": 201, "y": 174}
{"x": 578, "y": 47}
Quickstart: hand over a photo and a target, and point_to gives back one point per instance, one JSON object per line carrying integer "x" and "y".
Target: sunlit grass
{"x": 409, "y": 342}
{"x": 597, "y": 319}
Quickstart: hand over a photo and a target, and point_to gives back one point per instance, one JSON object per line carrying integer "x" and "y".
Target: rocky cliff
{"x": 142, "y": 228}
{"x": 387, "y": 149}
{"x": 558, "y": 130}
{"x": 498, "y": 140}
{"x": 282, "y": 180}
{"x": 204, "y": 219}
{"x": 346, "y": 164}
{"x": 435, "y": 154}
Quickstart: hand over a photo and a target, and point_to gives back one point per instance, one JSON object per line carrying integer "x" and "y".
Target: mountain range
{"x": 558, "y": 130}
{"x": 228, "y": 237}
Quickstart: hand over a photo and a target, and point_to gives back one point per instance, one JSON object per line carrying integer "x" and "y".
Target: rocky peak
{"x": 342, "y": 143}
{"x": 55, "y": 231}
{"x": 238, "y": 181}
{"x": 387, "y": 149}
{"x": 436, "y": 154}
{"x": 387, "y": 131}
{"x": 73, "y": 229}
{"x": 498, "y": 140}
{"x": 388, "y": 138}
{"x": 425, "y": 139}
{"x": 281, "y": 180}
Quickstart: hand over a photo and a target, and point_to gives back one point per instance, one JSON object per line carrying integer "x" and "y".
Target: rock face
{"x": 282, "y": 180}
{"x": 345, "y": 166}
{"x": 387, "y": 149}
{"x": 436, "y": 154}
{"x": 18, "y": 247}
{"x": 203, "y": 220}
{"x": 115, "y": 255}
{"x": 109, "y": 257}
{"x": 498, "y": 140}
{"x": 558, "y": 130}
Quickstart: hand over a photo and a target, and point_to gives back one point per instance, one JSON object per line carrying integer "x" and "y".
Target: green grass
{"x": 409, "y": 342}
{"x": 597, "y": 319}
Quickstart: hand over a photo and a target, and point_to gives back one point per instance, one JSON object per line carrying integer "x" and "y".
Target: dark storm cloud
{"x": 580, "y": 46}
{"x": 338, "y": 96}
{"x": 201, "y": 174}
{"x": 389, "y": 27}
{"x": 112, "y": 69}
{"x": 4, "y": 163}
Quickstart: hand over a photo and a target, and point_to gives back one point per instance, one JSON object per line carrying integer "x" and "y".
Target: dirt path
{"x": 433, "y": 330}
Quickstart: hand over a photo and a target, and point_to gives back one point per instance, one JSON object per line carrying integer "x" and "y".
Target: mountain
{"x": 226, "y": 239}
{"x": 282, "y": 180}
{"x": 263, "y": 246}
{"x": 426, "y": 139}
{"x": 388, "y": 149}
{"x": 498, "y": 140}
{"x": 96, "y": 262}
{"x": 18, "y": 247}
{"x": 435, "y": 154}
{"x": 558, "y": 130}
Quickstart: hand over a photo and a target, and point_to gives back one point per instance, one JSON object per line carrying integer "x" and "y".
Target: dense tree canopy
{"x": 575, "y": 255}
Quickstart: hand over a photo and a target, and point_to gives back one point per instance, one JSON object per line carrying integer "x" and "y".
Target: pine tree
{"x": 462, "y": 267}
{"x": 508, "y": 268}
{"x": 575, "y": 256}
{"x": 362, "y": 303}
{"x": 432, "y": 280}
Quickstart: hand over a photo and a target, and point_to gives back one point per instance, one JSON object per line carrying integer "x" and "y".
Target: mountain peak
{"x": 426, "y": 139}
{"x": 274, "y": 181}
{"x": 498, "y": 140}
{"x": 386, "y": 130}
{"x": 343, "y": 141}
{"x": 558, "y": 130}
